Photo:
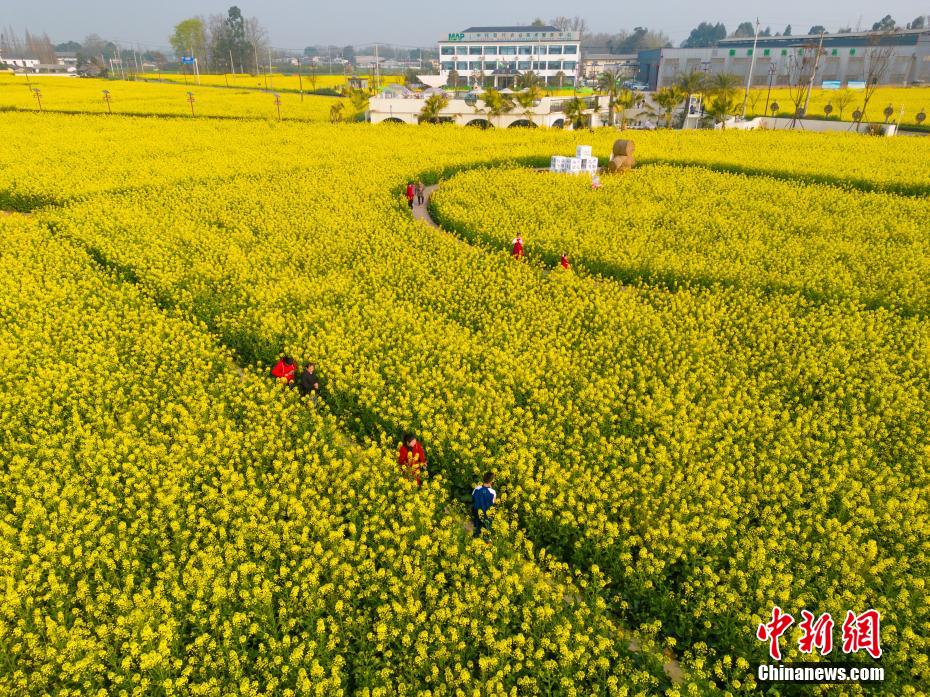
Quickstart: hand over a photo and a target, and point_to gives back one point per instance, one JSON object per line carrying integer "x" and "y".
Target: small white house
{"x": 28, "y": 63}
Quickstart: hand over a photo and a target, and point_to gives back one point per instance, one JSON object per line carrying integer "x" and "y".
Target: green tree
{"x": 720, "y": 108}
{"x": 496, "y": 104}
{"x": 189, "y": 36}
{"x": 359, "y": 101}
{"x": 668, "y": 98}
{"x": 745, "y": 29}
{"x": 886, "y": 23}
{"x": 705, "y": 34}
{"x": 527, "y": 99}
{"x": 817, "y": 28}
{"x": 918, "y": 23}
{"x": 336, "y": 112}
{"x": 432, "y": 107}
{"x": 610, "y": 84}
{"x": 574, "y": 112}
{"x": 528, "y": 79}
{"x": 691, "y": 83}
{"x": 787, "y": 31}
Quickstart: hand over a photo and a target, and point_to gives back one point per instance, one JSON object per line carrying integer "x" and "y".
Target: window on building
{"x": 490, "y": 65}
{"x": 526, "y": 50}
{"x": 490, "y": 50}
{"x": 474, "y": 50}
{"x": 461, "y": 65}
{"x": 766, "y": 52}
{"x": 784, "y": 52}
{"x": 447, "y": 50}
{"x": 833, "y": 52}
{"x": 474, "y": 65}
{"x": 555, "y": 50}
{"x": 554, "y": 65}
{"x": 538, "y": 65}
{"x": 525, "y": 65}
{"x": 732, "y": 51}
{"x": 447, "y": 65}
{"x": 749, "y": 52}
{"x": 571, "y": 49}
{"x": 852, "y": 51}
{"x": 569, "y": 65}
{"x": 508, "y": 50}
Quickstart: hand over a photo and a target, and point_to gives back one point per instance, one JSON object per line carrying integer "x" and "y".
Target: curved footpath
{"x": 421, "y": 212}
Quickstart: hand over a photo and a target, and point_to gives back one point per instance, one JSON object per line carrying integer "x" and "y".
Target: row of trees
{"x": 710, "y": 33}
{"x": 230, "y": 43}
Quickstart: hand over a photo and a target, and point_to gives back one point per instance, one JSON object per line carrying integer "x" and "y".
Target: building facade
{"x": 496, "y": 56}
{"x": 844, "y": 59}
{"x": 624, "y": 64}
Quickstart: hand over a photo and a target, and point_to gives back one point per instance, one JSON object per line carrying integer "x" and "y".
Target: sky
{"x": 294, "y": 24}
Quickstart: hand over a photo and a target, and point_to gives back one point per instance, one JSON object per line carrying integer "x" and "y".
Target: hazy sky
{"x": 294, "y": 24}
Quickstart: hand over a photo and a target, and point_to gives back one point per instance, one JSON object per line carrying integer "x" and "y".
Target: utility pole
{"x": 300, "y": 79}
{"x": 377, "y": 68}
{"x": 752, "y": 65}
{"x": 810, "y": 85}
{"x": 232, "y": 65}
{"x": 255, "y": 51}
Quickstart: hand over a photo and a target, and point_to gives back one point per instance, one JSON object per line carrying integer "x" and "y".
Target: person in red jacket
{"x": 411, "y": 191}
{"x": 518, "y": 247}
{"x": 285, "y": 369}
{"x": 563, "y": 262}
{"x": 412, "y": 459}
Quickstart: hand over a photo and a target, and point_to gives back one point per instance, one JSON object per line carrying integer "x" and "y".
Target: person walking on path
{"x": 563, "y": 262}
{"x": 420, "y": 189}
{"x": 285, "y": 369}
{"x": 410, "y": 194}
{"x": 517, "y": 247}
{"x": 310, "y": 382}
{"x": 482, "y": 499}
{"x": 412, "y": 459}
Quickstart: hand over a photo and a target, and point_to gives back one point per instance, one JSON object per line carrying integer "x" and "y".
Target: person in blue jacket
{"x": 482, "y": 499}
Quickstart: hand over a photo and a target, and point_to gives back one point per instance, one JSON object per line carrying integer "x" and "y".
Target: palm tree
{"x": 610, "y": 83}
{"x": 691, "y": 83}
{"x": 625, "y": 100}
{"x": 724, "y": 85}
{"x": 574, "y": 112}
{"x": 528, "y": 79}
{"x": 527, "y": 99}
{"x": 496, "y": 104}
{"x": 668, "y": 98}
{"x": 560, "y": 76}
{"x": 721, "y": 107}
{"x": 434, "y": 104}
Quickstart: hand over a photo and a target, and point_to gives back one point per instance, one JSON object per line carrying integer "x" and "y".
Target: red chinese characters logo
{"x": 860, "y": 632}
{"x": 816, "y": 635}
{"x": 771, "y": 631}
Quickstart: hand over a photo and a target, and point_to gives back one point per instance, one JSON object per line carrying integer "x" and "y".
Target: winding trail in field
{"x": 420, "y": 211}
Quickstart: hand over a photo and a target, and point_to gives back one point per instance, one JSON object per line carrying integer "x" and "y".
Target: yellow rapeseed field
{"x": 158, "y": 99}
{"x": 718, "y": 411}
{"x": 906, "y": 103}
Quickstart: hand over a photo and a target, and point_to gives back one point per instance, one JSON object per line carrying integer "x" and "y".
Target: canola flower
{"x": 705, "y": 453}
{"x": 279, "y": 82}
{"x": 158, "y": 99}
{"x": 173, "y": 525}
{"x": 906, "y": 103}
{"x": 669, "y": 227}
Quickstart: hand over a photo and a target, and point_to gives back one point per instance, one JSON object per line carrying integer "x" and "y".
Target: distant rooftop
{"x": 527, "y": 27}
